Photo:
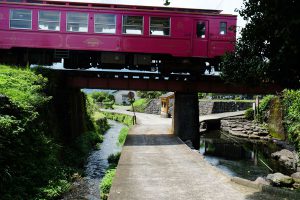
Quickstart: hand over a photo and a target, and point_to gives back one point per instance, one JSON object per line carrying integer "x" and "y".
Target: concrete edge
{"x": 246, "y": 182}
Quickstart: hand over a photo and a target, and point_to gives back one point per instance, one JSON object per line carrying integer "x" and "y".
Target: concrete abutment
{"x": 185, "y": 122}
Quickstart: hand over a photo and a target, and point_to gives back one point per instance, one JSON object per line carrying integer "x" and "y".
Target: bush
{"x": 122, "y": 136}
{"x": 291, "y": 103}
{"x": 106, "y": 183}
{"x": 140, "y": 105}
{"x": 150, "y": 94}
{"x": 264, "y": 107}
{"x": 125, "y": 119}
{"x": 113, "y": 159}
{"x": 249, "y": 114}
{"x": 101, "y": 122}
{"x": 104, "y": 98}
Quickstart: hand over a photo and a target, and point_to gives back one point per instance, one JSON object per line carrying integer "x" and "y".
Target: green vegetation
{"x": 140, "y": 105}
{"x": 101, "y": 122}
{"x": 123, "y": 135}
{"x": 106, "y": 183}
{"x": 291, "y": 103}
{"x": 249, "y": 114}
{"x": 150, "y": 94}
{"x": 269, "y": 48}
{"x": 113, "y": 159}
{"x": 38, "y": 155}
{"x": 104, "y": 99}
{"x": 125, "y": 119}
{"x": 264, "y": 107}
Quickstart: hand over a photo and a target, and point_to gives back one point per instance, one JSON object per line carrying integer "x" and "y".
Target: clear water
{"x": 96, "y": 166}
{"x": 237, "y": 157}
{"x": 97, "y": 161}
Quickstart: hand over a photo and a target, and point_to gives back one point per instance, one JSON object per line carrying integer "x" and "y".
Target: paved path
{"x": 157, "y": 165}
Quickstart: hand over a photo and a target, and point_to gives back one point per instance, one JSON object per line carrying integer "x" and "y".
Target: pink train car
{"x": 89, "y": 34}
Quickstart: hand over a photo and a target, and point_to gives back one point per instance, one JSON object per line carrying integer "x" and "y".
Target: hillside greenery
{"x": 141, "y": 104}
{"x": 37, "y": 159}
{"x": 289, "y": 102}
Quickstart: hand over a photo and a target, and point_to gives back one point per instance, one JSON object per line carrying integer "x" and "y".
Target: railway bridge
{"x": 186, "y": 87}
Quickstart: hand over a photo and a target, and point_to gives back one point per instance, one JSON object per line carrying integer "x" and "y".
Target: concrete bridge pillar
{"x": 185, "y": 122}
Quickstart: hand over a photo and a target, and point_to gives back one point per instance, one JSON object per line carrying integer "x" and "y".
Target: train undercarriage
{"x": 73, "y": 59}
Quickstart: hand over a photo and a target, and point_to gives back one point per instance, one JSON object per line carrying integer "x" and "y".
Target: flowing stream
{"x": 96, "y": 165}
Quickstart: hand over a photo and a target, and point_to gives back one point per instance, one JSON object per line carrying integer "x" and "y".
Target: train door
{"x": 200, "y": 38}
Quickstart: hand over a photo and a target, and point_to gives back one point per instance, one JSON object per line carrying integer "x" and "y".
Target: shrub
{"x": 104, "y": 98}
{"x": 106, "y": 183}
{"x": 291, "y": 103}
{"x": 140, "y": 105}
{"x": 263, "y": 109}
{"x": 113, "y": 159}
{"x": 249, "y": 114}
{"x": 123, "y": 135}
{"x": 125, "y": 119}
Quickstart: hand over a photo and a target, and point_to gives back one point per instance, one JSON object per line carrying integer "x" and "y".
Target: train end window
{"x": 133, "y": 25}
{"x": 223, "y": 28}
{"x": 77, "y": 22}
{"x": 14, "y": 1}
{"x": 49, "y": 20}
{"x": 201, "y": 29}
{"x": 20, "y": 19}
{"x": 160, "y": 26}
{"x": 105, "y": 23}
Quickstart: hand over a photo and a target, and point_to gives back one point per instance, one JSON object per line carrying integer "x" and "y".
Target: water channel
{"x": 237, "y": 157}
{"x": 97, "y": 165}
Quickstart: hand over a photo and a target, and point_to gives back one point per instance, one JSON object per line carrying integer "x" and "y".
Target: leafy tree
{"x": 150, "y": 94}
{"x": 269, "y": 47}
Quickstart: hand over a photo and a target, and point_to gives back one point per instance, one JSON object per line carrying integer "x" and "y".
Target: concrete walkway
{"x": 157, "y": 165}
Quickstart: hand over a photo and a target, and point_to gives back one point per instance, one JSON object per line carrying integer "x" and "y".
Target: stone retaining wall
{"x": 153, "y": 107}
{"x": 205, "y": 107}
{"x": 211, "y": 107}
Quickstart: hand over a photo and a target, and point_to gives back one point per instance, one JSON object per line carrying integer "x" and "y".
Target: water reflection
{"x": 237, "y": 157}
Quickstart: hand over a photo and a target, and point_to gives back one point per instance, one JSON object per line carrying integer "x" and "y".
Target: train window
{"x": 133, "y": 24}
{"x": 201, "y": 28}
{"x": 14, "y": 0}
{"x": 20, "y": 19}
{"x": 105, "y": 23}
{"x": 34, "y": 1}
{"x": 77, "y": 22}
{"x": 223, "y": 28}
{"x": 49, "y": 20}
{"x": 159, "y": 26}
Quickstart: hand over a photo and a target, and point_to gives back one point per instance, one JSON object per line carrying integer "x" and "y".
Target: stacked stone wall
{"x": 205, "y": 107}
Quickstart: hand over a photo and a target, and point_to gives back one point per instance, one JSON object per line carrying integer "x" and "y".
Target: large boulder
{"x": 287, "y": 159}
{"x": 296, "y": 177}
{"x": 261, "y": 181}
{"x": 279, "y": 179}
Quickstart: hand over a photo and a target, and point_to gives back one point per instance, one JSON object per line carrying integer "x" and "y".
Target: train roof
{"x": 97, "y": 4}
